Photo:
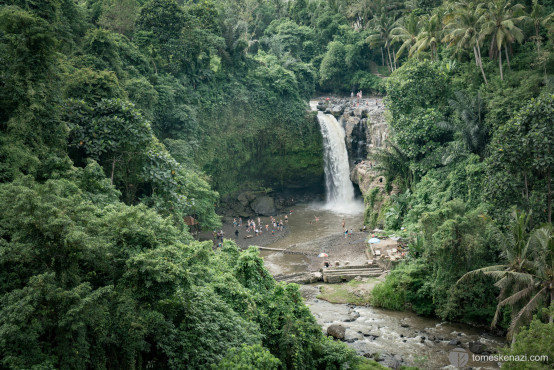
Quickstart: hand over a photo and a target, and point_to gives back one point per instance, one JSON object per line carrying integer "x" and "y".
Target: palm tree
{"x": 381, "y": 27}
{"x": 526, "y": 279}
{"x": 394, "y": 164}
{"x": 463, "y": 29}
{"x": 470, "y": 125}
{"x": 406, "y": 31}
{"x": 360, "y": 12}
{"x": 499, "y": 22}
{"x": 429, "y": 36}
{"x": 538, "y": 17}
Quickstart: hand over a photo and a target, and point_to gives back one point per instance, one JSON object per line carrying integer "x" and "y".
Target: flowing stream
{"x": 399, "y": 338}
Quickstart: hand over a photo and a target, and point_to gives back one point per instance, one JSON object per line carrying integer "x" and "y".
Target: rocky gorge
{"x": 366, "y": 132}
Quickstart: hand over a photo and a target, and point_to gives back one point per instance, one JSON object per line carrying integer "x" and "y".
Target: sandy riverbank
{"x": 248, "y": 238}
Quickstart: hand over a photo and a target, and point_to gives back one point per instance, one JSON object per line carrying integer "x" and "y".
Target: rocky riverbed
{"x": 397, "y": 338}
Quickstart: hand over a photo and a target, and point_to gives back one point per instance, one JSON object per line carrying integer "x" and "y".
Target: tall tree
{"x": 406, "y": 31}
{"x": 381, "y": 35}
{"x": 429, "y": 37}
{"x": 499, "y": 23}
{"x": 463, "y": 29}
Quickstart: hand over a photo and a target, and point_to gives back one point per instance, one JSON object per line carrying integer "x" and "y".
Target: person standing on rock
{"x": 343, "y": 223}
{"x": 345, "y": 233}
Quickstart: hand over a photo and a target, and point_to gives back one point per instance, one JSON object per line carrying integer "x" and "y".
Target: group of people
{"x": 347, "y": 232}
{"x": 358, "y": 97}
{"x": 256, "y": 226}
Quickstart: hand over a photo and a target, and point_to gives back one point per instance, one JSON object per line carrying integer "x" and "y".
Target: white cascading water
{"x": 340, "y": 191}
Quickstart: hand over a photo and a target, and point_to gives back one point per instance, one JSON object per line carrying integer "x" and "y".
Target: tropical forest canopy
{"x": 118, "y": 118}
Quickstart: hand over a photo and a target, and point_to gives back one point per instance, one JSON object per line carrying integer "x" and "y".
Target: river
{"x": 398, "y": 337}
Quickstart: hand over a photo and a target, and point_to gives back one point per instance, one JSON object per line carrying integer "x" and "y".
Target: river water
{"x": 399, "y": 337}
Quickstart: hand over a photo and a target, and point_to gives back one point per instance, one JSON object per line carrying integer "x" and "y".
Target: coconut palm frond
{"x": 521, "y": 278}
{"x": 516, "y": 297}
{"x": 485, "y": 270}
{"x": 525, "y": 312}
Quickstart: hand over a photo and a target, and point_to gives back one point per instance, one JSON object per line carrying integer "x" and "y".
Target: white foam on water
{"x": 340, "y": 197}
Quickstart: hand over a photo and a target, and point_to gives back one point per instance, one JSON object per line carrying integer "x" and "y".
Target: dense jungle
{"x": 121, "y": 119}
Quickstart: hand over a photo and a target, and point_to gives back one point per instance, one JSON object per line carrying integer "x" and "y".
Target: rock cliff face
{"x": 366, "y": 132}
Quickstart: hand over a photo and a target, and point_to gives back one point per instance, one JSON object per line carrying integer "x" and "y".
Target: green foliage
{"x": 415, "y": 95}
{"x": 417, "y": 85}
{"x": 405, "y": 288}
{"x": 332, "y": 72}
{"x": 249, "y": 358}
{"x": 366, "y": 81}
{"x": 535, "y": 340}
{"x": 104, "y": 285}
{"x": 521, "y": 161}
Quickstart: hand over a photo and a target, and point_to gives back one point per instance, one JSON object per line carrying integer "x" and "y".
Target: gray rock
{"x": 454, "y": 342}
{"x": 477, "y": 347}
{"x": 336, "y": 331}
{"x": 244, "y": 198}
{"x": 337, "y": 110}
{"x": 264, "y": 205}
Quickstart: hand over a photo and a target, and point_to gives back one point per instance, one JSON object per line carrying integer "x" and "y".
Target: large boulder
{"x": 477, "y": 347}
{"x": 336, "y": 331}
{"x": 264, "y": 205}
{"x": 240, "y": 210}
{"x": 246, "y": 197}
{"x": 337, "y": 110}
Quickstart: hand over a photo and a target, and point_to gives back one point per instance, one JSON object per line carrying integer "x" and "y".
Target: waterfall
{"x": 339, "y": 188}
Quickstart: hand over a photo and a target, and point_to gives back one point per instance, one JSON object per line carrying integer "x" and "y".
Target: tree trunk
{"x": 500, "y": 65}
{"x": 549, "y": 197}
{"x": 113, "y": 170}
{"x": 382, "y": 56}
{"x": 526, "y": 187}
{"x": 478, "y": 56}
{"x": 390, "y": 61}
{"x": 507, "y": 57}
